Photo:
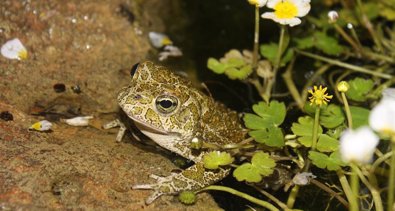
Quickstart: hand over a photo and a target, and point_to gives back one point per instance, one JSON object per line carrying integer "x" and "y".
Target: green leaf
{"x": 304, "y": 129}
{"x": 247, "y": 172}
{"x": 359, "y": 88}
{"x": 321, "y": 160}
{"x": 331, "y": 116}
{"x": 387, "y": 9}
{"x": 261, "y": 165}
{"x": 215, "y": 66}
{"x": 269, "y": 115}
{"x": 336, "y": 132}
{"x": 272, "y": 136}
{"x": 264, "y": 163}
{"x": 327, "y": 144}
{"x": 359, "y": 116}
{"x": 327, "y": 44}
{"x": 213, "y": 160}
{"x": 321, "y": 41}
{"x": 269, "y": 51}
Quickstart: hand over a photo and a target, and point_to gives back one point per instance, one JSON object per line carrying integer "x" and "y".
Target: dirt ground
{"x": 91, "y": 45}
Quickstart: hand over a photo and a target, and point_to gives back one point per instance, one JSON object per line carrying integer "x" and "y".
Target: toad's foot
{"x": 193, "y": 178}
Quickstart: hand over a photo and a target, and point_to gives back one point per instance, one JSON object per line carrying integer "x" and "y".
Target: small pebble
{"x": 76, "y": 89}
{"x": 59, "y": 88}
{"x": 6, "y": 116}
{"x": 43, "y": 125}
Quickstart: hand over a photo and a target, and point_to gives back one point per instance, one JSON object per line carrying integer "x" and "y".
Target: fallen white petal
{"x": 158, "y": 40}
{"x": 42, "y": 125}
{"x": 78, "y": 121}
{"x": 14, "y": 49}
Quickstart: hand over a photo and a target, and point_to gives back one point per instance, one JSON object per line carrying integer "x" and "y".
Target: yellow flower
{"x": 259, "y": 3}
{"x": 319, "y": 96}
{"x": 287, "y": 12}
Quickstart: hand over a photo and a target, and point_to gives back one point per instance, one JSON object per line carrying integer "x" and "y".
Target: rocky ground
{"x": 88, "y": 46}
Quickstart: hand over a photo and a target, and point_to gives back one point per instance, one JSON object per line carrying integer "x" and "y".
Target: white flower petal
{"x": 14, "y": 49}
{"x": 78, "y": 121}
{"x": 303, "y": 7}
{"x": 272, "y": 3}
{"x": 382, "y": 116}
{"x": 43, "y": 125}
{"x": 358, "y": 145}
{"x": 291, "y": 21}
{"x": 159, "y": 40}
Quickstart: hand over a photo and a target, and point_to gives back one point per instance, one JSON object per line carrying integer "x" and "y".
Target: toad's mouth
{"x": 144, "y": 126}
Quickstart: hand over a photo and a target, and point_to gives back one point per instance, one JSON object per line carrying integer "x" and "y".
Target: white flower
{"x": 287, "y": 12}
{"x": 259, "y": 3}
{"x": 169, "y": 50}
{"x": 358, "y": 145}
{"x": 159, "y": 40}
{"x": 333, "y": 16}
{"x": 78, "y": 121}
{"x": 382, "y": 116}
{"x": 14, "y": 49}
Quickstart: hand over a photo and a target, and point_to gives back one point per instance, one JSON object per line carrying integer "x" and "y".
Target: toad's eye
{"x": 133, "y": 70}
{"x": 166, "y": 104}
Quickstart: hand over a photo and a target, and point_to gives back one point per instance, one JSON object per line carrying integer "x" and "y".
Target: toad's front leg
{"x": 193, "y": 178}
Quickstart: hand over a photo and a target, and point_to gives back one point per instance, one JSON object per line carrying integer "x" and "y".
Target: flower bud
{"x": 333, "y": 16}
{"x": 343, "y": 86}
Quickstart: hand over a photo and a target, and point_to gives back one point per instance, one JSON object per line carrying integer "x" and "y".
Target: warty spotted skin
{"x": 170, "y": 111}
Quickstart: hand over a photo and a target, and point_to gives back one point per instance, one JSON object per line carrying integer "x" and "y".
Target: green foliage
{"x": 327, "y": 144}
{"x": 387, "y": 9}
{"x": 269, "y": 51}
{"x": 213, "y": 160}
{"x": 265, "y": 122}
{"x": 321, "y": 41}
{"x": 233, "y": 64}
{"x": 359, "y": 88}
{"x": 261, "y": 165}
{"x": 360, "y": 116}
{"x": 331, "y": 115}
{"x": 332, "y": 162}
{"x": 304, "y": 130}
{"x": 187, "y": 197}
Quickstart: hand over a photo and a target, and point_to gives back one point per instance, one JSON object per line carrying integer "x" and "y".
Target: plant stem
{"x": 391, "y": 178}
{"x": 287, "y": 76}
{"x": 262, "y": 203}
{"x": 345, "y": 65}
{"x": 274, "y": 199}
{"x": 315, "y": 127}
{"x": 292, "y": 196}
{"x": 375, "y": 193}
{"x": 354, "y": 187}
{"x": 330, "y": 191}
{"x": 276, "y": 66}
{"x": 347, "y": 109}
{"x": 256, "y": 40}
{"x": 346, "y": 188}
{"x": 347, "y": 38}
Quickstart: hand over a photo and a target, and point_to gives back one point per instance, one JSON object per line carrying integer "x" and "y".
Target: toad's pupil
{"x": 166, "y": 103}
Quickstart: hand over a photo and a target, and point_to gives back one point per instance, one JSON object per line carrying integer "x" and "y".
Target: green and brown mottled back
{"x": 170, "y": 111}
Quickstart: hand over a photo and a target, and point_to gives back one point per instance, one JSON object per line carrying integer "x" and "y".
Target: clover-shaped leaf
{"x": 327, "y": 144}
{"x": 261, "y": 165}
{"x": 272, "y": 136}
{"x": 216, "y": 66}
{"x": 213, "y": 160}
{"x": 359, "y": 88}
{"x": 247, "y": 172}
{"x": 304, "y": 129}
{"x": 321, "y": 160}
{"x": 331, "y": 116}
{"x": 272, "y": 114}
